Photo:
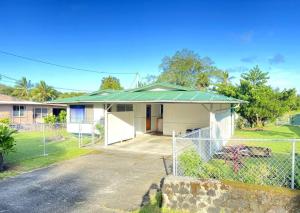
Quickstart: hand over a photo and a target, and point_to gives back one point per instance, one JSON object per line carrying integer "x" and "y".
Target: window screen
{"x": 77, "y": 113}
{"x": 124, "y": 107}
{"x": 18, "y": 110}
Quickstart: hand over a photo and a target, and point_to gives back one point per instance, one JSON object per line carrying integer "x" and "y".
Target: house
{"x": 21, "y": 112}
{"x": 159, "y": 107}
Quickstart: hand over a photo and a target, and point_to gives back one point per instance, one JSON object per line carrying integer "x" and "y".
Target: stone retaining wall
{"x": 195, "y": 195}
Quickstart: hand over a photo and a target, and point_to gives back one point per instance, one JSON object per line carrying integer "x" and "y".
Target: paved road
{"x": 111, "y": 181}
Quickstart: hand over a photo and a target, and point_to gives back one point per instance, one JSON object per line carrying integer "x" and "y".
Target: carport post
{"x": 106, "y": 124}
{"x": 174, "y": 152}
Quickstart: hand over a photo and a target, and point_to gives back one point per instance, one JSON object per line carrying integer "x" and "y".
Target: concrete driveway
{"x": 147, "y": 143}
{"x": 111, "y": 181}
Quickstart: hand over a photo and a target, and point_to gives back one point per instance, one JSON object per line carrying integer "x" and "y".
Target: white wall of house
{"x": 86, "y": 128}
{"x": 120, "y": 126}
{"x": 139, "y": 118}
{"x": 179, "y": 117}
{"x": 155, "y": 114}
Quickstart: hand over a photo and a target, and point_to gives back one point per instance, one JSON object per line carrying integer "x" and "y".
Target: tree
{"x": 6, "y": 90}
{"x": 7, "y": 143}
{"x": 202, "y": 81}
{"x": 264, "y": 102}
{"x": 110, "y": 82}
{"x": 225, "y": 78}
{"x": 256, "y": 76}
{"x": 43, "y": 92}
{"x": 186, "y": 68}
{"x": 70, "y": 94}
{"x": 22, "y": 89}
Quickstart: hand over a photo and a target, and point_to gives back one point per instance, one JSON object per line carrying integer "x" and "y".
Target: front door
{"x": 148, "y": 117}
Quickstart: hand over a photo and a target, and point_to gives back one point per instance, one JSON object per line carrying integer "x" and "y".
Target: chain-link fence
{"x": 38, "y": 140}
{"x": 258, "y": 161}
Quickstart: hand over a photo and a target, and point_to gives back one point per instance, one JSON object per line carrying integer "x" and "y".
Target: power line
{"x": 62, "y": 66}
{"x": 13, "y": 80}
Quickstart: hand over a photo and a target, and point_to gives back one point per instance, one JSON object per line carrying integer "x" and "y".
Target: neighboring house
{"x": 26, "y": 112}
{"x": 159, "y": 107}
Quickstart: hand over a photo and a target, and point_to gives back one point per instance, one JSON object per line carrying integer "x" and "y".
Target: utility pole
{"x": 137, "y": 80}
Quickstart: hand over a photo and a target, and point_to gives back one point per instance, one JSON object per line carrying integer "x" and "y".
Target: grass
{"x": 154, "y": 206}
{"x": 29, "y": 153}
{"x": 272, "y": 132}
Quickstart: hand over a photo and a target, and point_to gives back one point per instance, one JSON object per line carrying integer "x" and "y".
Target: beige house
{"x": 26, "y": 112}
{"x": 161, "y": 108}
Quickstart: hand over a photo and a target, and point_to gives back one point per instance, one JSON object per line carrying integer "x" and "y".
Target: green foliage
{"x": 62, "y": 117}
{"x": 187, "y": 68}
{"x": 7, "y": 140}
{"x": 264, "y": 103}
{"x": 190, "y": 162}
{"x": 259, "y": 173}
{"x": 50, "y": 119}
{"x": 202, "y": 81}
{"x": 241, "y": 123}
{"x": 6, "y": 90}
{"x": 110, "y": 82}
{"x": 43, "y": 92}
{"x": 100, "y": 129}
{"x": 23, "y": 89}
{"x": 70, "y": 94}
{"x": 5, "y": 121}
{"x": 256, "y": 77}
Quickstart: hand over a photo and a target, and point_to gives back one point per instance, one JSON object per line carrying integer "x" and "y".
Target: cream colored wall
{"x": 139, "y": 118}
{"x": 98, "y": 113}
{"x": 120, "y": 126}
{"x": 179, "y": 117}
{"x": 155, "y": 114}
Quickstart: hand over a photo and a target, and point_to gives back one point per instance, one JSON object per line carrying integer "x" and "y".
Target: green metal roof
{"x": 144, "y": 94}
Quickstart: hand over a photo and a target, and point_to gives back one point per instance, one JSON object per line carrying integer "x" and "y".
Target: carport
{"x": 157, "y": 108}
{"x": 146, "y": 143}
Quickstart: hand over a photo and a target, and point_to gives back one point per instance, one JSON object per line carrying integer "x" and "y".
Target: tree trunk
{"x": 1, "y": 162}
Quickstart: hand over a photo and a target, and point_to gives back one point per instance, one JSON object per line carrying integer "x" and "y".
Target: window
{"x": 40, "y": 112}
{"x": 18, "y": 110}
{"x": 124, "y": 107}
{"x": 77, "y": 113}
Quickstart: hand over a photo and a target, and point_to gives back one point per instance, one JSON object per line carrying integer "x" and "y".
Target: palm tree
{"x": 225, "y": 78}
{"x": 43, "y": 92}
{"x": 22, "y": 88}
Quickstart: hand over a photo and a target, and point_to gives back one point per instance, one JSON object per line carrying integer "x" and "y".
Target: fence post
{"x": 44, "y": 139}
{"x": 93, "y": 133}
{"x": 293, "y": 164}
{"x": 198, "y": 143}
{"x": 79, "y": 135}
{"x": 174, "y": 152}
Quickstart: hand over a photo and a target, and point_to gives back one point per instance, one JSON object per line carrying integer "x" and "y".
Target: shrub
{"x": 190, "y": 163}
{"x": 50, "y": 119}
{"x": 62, "y": 117}
{"x": 241, "y": 123}
{"x": 100, "y": 129}
{"x": 7, "y": 142}
{"x": 5, "y": 121}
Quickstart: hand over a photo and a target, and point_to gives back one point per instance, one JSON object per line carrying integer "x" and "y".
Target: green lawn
{"x": 272, "y": 132}
{"x": 29, "y": 153}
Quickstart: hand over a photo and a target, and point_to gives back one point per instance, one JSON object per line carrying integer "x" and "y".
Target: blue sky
{"x": 134, "y": 36}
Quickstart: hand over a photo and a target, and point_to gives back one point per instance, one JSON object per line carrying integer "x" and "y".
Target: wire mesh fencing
{"x": 39, "y": 140}
{"x": 273, "y": 162}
